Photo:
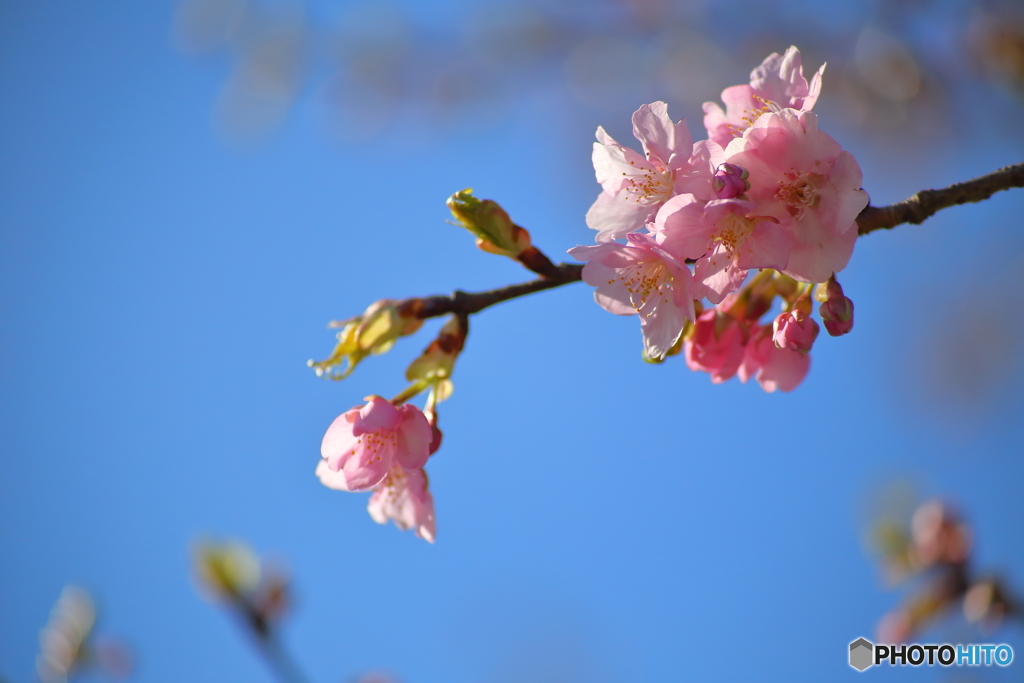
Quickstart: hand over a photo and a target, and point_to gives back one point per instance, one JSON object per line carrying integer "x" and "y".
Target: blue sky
{"x": 599, "y": 519}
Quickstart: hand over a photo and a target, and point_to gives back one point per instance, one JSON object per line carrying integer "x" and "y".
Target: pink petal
{"x": 330, "y": 478}
{"x": 681, "y": 229}
{"x": 339, "y": 441}
{"x": 767, "y": 246}
{"x": 363, "y": 473}
{"x": 662, "y": 139}
{"x": 614, "y": 216}
{"x": 378, "y": 414}
{"x": 719, "y": 275}
{"x": 414, "y": 438}
{"x": 697, "y": 177}
{"x": 784, "y": 370}
{"x": 817, "y": 253}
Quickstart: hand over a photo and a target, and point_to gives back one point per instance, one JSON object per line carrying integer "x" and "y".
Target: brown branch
{"x": 468, "y": 303}
{"x": 925, "y": 203}
{"x": 914, "y": 210}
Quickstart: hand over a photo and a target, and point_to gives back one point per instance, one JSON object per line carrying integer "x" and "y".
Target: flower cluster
{"x": 767, "y": 191}
{"x": 383, "y": 445}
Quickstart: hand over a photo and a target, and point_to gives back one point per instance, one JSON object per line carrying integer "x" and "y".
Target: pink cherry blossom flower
{"x": 801, "y": 177}
{"x": 641, "y": 278}
{"x": 363, "y": 444}
{"x": 716, "y": 345}
{"x": 404, "y": 496}
{"x": 778, "y": 83}
{"x": 725, "y": 238}
{"x": 774, "y": 368}
{"x": 795, "y": 331}
{"x": 635, "y": 185}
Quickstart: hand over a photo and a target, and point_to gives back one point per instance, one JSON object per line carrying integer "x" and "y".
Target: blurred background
{"x": 190, "y": 191}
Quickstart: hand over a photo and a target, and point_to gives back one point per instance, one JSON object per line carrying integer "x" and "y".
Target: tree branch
{"x": 927, "y": 202}
{"x": 913, "y": 210}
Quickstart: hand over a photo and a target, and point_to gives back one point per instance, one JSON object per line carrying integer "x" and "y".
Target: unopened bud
{"x": 438, "y": 359}
{"x": 836, "y": 309}
{"x": 730, "y": 181}
{"x": 373, "y": 332}
{"x": 495, "y": 232}
{"x": 795, "y": 331}
{"x": 229, "y": 571}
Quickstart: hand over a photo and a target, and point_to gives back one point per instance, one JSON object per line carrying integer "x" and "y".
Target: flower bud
{"x": 436, "y": 362}
{"x": 716, "y": 345}
{"x": 228, "y": 571}
{"x": 794, "y": 331}
{"x": 373, "y": 332}
{"x": 730, "y": 181}
{"x": 494, "y": 230}
{"x": 836, "y": 310}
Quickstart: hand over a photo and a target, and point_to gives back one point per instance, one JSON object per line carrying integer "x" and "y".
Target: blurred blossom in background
{"x": 190, "y": 192}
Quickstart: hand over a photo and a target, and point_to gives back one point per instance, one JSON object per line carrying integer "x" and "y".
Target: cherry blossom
{"x": 403, "y": 496}
{"x": 726, "y": 238}
{"x": 362, "y": 444}
{"x": 778, "y": 83}
{"x": 801, "y": 177}
{"x": 634, "y": 185}
{"x": 641, "y": 278}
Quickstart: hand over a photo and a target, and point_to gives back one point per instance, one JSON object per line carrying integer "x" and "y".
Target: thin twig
{"x": 913, "y": 210}
{"x": 926, "y": 202}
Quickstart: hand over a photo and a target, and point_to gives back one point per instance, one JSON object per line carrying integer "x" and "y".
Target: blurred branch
{"x": 913, "y": 210}
{"x": 280, "y": 661}
{"x": 927, "y": 202}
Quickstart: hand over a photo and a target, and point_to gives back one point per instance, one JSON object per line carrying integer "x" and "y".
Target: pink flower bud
{"x": 730, "y": 181}
{"x": 794, "y": 331}
{"x": 836, "y": 309}
{"x": 716, "y": 345}
{"x": 837, "y": 316}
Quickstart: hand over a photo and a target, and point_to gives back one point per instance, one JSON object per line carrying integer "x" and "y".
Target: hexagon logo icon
{"x": 861, "y": 651}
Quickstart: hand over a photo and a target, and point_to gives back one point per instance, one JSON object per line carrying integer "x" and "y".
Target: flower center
{"x": 799, "y": 192}
{"x": 732, "y": 232}
{"x": 644, "y": 280}
{"x": 749, "y": 116}
{"x": 374, "y": 442}
{"x": 651, "y": 185}
{"x": 393, "y": 485}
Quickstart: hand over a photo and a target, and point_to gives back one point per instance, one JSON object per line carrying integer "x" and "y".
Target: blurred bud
{"x": 939, "y": 537}
{"x": 227, "y": 571}
{"x": 730, "y": 181}
{"x": 795, "y": 331}
{"x": 66, "y": 645}
{"x": 495, "y": 232}
{"x": 62, "y": 643}
{"x": 230, "y": 572}
{"x": 373, "y": 332}
{"x": 273, "y": 598}
{"x": 985, "y": 603}
{"x": 836, "y": 310}
{"x": 892, "y": 543}
{"x": 438, "y": 359}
